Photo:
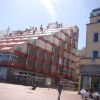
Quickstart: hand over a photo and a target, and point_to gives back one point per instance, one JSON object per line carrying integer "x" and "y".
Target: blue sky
{"x": 19, "y": 14}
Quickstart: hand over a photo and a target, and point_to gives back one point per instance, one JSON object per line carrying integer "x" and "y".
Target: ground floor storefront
{"x": 18, "y": 76}
{"x": 90, "y": 78}
{"x": 90, "y": 82}
{"x": 23, "y": 77}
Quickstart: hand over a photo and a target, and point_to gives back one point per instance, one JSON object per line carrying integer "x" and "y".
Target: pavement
{"x": 20, "y": 92}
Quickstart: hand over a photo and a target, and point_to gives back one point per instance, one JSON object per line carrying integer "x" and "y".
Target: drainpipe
{"x": 27, "y": 54}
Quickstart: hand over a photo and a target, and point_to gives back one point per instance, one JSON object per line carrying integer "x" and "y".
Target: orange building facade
{"x": 39, "y": 54}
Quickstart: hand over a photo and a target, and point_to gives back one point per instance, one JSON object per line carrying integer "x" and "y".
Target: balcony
{"x": 89, "y": 61}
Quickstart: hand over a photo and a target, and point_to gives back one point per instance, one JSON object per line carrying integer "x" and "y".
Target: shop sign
{"x": 90, "y": 70}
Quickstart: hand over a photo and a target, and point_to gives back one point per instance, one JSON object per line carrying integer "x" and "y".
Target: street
{"x": 20, "y": 92}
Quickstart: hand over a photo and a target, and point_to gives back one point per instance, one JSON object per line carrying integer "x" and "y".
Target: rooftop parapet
{"x": 95, "y": 12}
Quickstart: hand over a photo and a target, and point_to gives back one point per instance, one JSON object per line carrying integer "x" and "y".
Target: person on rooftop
{"x": 41, "y": 29}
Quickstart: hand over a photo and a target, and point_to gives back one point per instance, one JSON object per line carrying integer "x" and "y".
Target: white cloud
{"x": 49, "y": 5}
{"x": 56, "y": 1}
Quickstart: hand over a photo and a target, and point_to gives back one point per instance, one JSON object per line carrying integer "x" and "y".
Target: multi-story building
{"x": 39, "y": 54}
{"x": 90, "y": 63}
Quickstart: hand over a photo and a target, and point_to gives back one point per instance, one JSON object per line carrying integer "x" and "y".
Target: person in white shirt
{"x": 85, "y": 94}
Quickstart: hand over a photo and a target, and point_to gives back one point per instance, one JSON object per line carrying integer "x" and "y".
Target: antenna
{"x": 8, "y": 30}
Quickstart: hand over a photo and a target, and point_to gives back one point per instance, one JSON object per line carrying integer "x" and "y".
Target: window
{"x": 95, "y": 54}
{"x": 34, "y": 41}
{"x": 4, "y": 57}
{"x": 98, "y": 21}
{"x": 95, "y": 37}
{"x": 19, "y": 48}
{"x": 7, "y": 57}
